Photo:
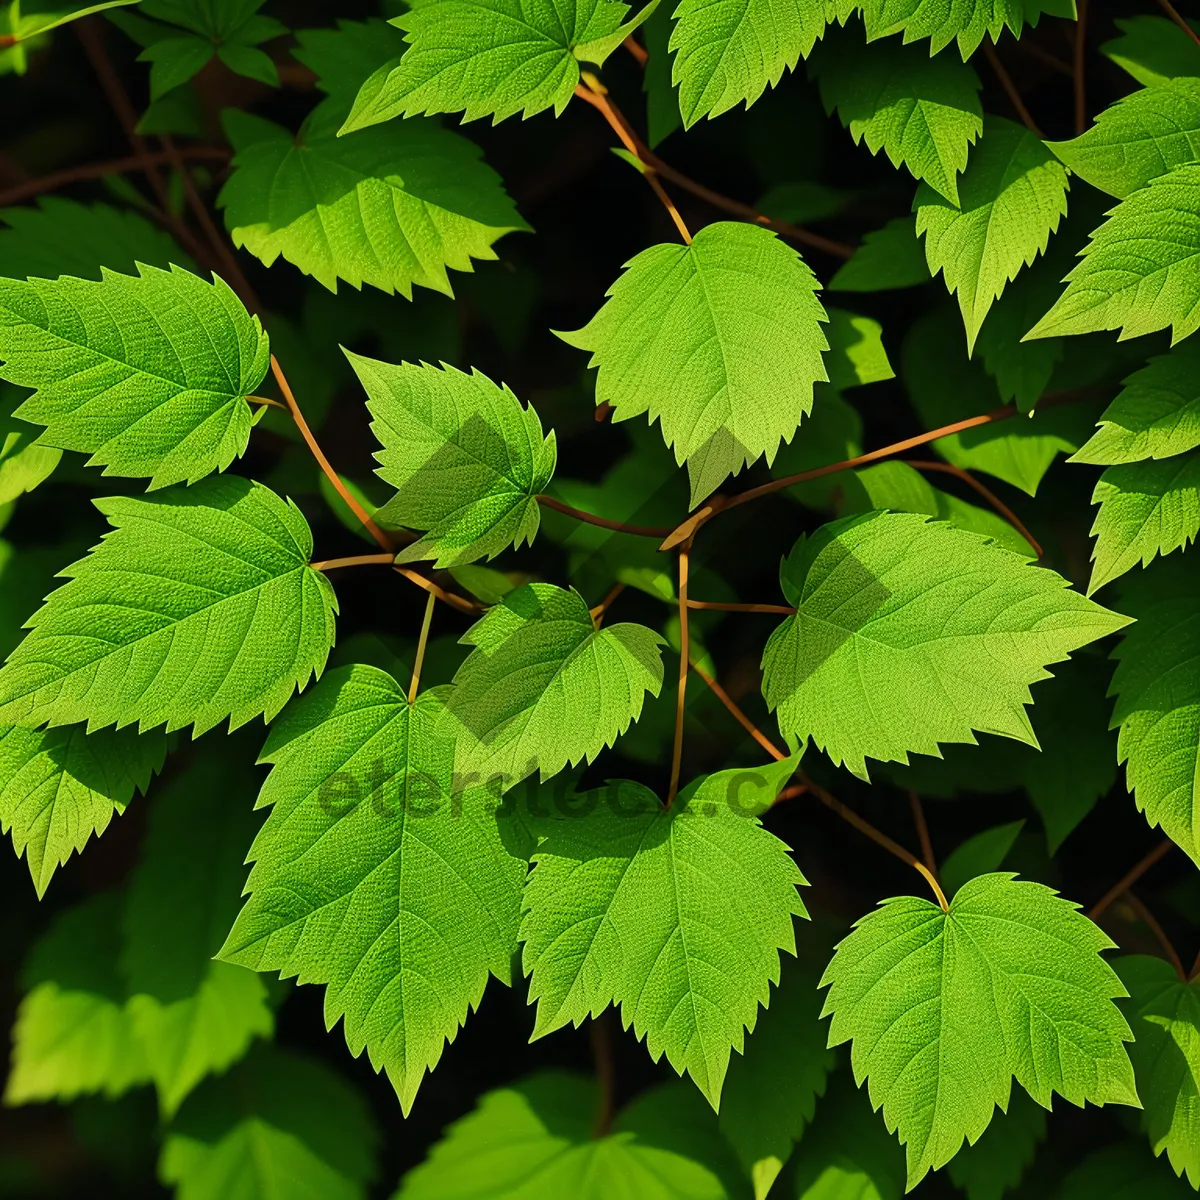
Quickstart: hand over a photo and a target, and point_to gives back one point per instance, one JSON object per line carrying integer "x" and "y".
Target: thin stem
{"x": 601, "y": 1037}
{"x": 744, "y": 721}
{"x": 334, "y": 478}
{"x": 1195, "y": 968}
{"x": 1010, "y": 88}
{"x": 1130, "y": 878}
{"x": 746, "y": 608}
{"x": 357, "y": 560}
{"x": 1169, "y": 9}
{"x": 1151, "y": 922}
{"x": 459, "y": 602}
{"x": 601, "y": 608}
{"x": 650, "y": 531}
{"x": 1078, "y": 61}
{"x": 931, "y": 879}
{"x": 684, "y": 651}
{"x": 918, "y": 813}
{"x": 986, "y": 492}
{"x": 637, "y": 50}
{"x": 422, "y": 642}
{"x": 1043, "y": 56}
{"x": 268, "y": 403}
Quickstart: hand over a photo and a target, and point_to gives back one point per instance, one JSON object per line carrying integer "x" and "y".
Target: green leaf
{"x": 1156, "y": 415}
{"x": 1157, "y": 690}
{"x": 148, "y": 374}
{"x": 856, "y": 354}
{"x": 200, "y": 605}
{"x": 192, "y": 1015}
{"x": 662, "y": 96}
{"x": 60, "y": 786}
{"x": 720, "y": 341}
{"x": 1146, "y": 509}
{"x": 910, "y": 633}
{"x": 1123, "y": 1172}
{"x": 40, "y": 16}
{"x": 1153, "y": 50}
{"x": 278, "y": 1125}
{"x": 978, "y": 855}
{"x": 1164, "y": 1014}
{"x": 72, "y": 1034}
{"x": 924, "y": 112}
{"x": 1139, "y": 138}
{"x": 543, "y": 688}
{"x": 995, "y": 1164}
{"x": 491, "y": 58}
{"x": 967, "y": 23}
{"x": 24, "y": 463}
{"x": 676, "y": 915}
{"x": 1011, "y": 198}
{"x": 890, "y": 257}
{"x": 466, "y": 460}
{"x": 729, "y": 54}
{"x": 379, "y": 873}
{"x": 944, "y": 1009}
{"x": 785, "y": 1060}
{"x": 535, "y": 1139}
{"x": 344, "y": 57}
{"x": 175, "y": 60}
{"x": 391, "y": 207}
{"x": 1138, "y": 273}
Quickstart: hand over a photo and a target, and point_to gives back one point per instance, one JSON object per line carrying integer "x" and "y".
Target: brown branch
{"x": 1043, "y": 56}
{"x": 918, "y": 813}
{"x": 986, "y": 492}
{"x": 7, "y": 39}
{"x": 637, "y": 50}
{"x": 598, "y": 612}
{"x": 684, "y": 652}
{"x": 1148, "y": 919}
{"x": 738, "y": 715}
{"x": 1169, "y": 9}
{"x": 356, "y": 560}
{"x": 1129, "y": 878}
{"x": 1195, "y": 968}
{"x": 651, "y": 531}
{"x": 601, "y": 1037}
{"x": 1078, "y": 60}
{"x": 424, "y": 582}
{"x": 785, "y": 609}
{"x": 1010, "y": 88}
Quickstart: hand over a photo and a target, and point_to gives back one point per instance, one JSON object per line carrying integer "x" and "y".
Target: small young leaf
{"x": 676, "y": 915}
{"x": 60, "y": 786}
{"x": 1011, "y": 199}
{"x": 199, "y": 605}
{"x": 910, "y": 633}
{"x": 1138, "y": 273}
{"x": 890, "y": 257}
{"x": 1153, "y": 50}
{"x": 148, "y": 374}
{"x": 944, "y": 1009}
{"x": 721, "y": 341}
{"x": 995, "y": 1164}
{"x": 543, "y": 688}
{"x": 378, "y": 873}
{"x": 466, "y": 460}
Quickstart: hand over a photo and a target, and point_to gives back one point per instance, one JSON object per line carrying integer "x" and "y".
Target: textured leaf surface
{"x": 534, "y": 1140}
{"x": 729, "y": 53}
{"x": 1139, "y": 273}
{"x": 1156, "y": 415}
{"x": 199, "y": 605}
{"x": 1010, "y": 200}
{"x": 967, "y": 22}
{"x": 996, "y": 1163}
{"x": 543, "y": 688}
{"x": 720, "y": 341}
{"x": 891, "y": 257}
{"x": 373, "y": 876}
{"x": 943, "y": 1010}
{"x": 59, "y": 786}
{"x": 122, "y": 374}
{"x": 923, "y": 112}
{"x": 24, "y": 463}
{"x": 1153, "y": 50}
{"x": 344, "y": 57}
{"x": 910, "y": 633}
{"x": 466, "y": 460}
{"x": 676, "y": 915}
{"x": 1164, "y": 1013}
{"x": 1146, "y": 509}
{"x": 393, "y": 207}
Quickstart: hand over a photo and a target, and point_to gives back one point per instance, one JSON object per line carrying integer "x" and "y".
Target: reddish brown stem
{"x": 1195, "y": 968}
{"x": 651, "y": 531}
{"x": 7, "y": 39}
{"x": 1148, "y": 919}
{"x": 1043, "y": 56}
{"x": 744, "y": 721}
{"x": 637, "y": 50}
{"x": 918, "y": 813}
{"x": 1078, "y": 64}
{"x": 1171, "y": 12}
{"x": 746, "y": 608}
{"x": 1010, "y": 88}
{"x": 601, "y": 1033}
{"x": 1129, "y": 878}
{"x": 601, "y": 608}
{"x": 684, "y": 652}
{"x": 422, "y": 581}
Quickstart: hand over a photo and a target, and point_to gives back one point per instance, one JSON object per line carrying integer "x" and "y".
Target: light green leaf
{"x": 978, "y": 855}
{"x": 890, "y": 257}
{"x": 729, "y": 54}
{"x": 392, "y": 207}
{"x": 1138, "y": 274}
{"x": 1139, "y": 138}
{"x": 924, "y": 112}
{"x": 466, "y": 460}
{"x": 1157, "y": 414}
{"x": 1164, "y": 1013}
{"x": 967, "y": 22}
{"x": 856, "y": 354}
{"x": 720, "y": 341}
{"x": 24, "y": 463}
{"x": 995, "y": 1164}
{"x": 675, "y": 915}
{"x": 277, "y": 1126}
{"x": 944, "y": 1009}
{"x": 910, "y": 633}
{"x": 1157, "y": 690}
{"x": 200, "y": 605}
{"x": 59, "y": 786}
{"x": 1011, "y": 198}
{"x": 40, "y": 16}
{"x": 72, "y": 1035}
{"x": 535, "y": 1139}
{"x": 1146, "y": 509}
{"x": 379, "y": 873}
{"x": 148, "y": 374}
{"x": 1153, "y": 50}
{"x": 543, "y": 688}
{"x": 491, "y": 58}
